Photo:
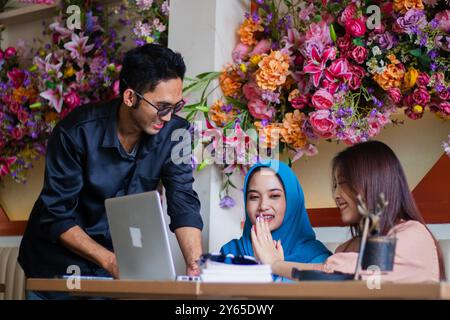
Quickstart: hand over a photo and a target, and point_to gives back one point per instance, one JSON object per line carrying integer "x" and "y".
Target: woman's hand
{"x": 264, "y": 247}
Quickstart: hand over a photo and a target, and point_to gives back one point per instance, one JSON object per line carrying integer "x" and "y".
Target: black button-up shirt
{"x": 86, "y": 164}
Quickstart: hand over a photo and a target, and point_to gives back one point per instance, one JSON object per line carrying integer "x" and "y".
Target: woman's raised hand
{"x": 265, "y": 248}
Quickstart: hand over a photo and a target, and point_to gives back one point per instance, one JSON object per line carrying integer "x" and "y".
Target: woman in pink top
{"x": 368, "y": 169}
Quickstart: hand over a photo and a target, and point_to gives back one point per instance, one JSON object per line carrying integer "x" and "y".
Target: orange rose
{"x": 404, "y": 5}
{"x": 392, "y": 77}
{"x": 291, "y": 132}
{"x": 230, "y": 82}
{"x": 247, "y": 31}
{"x": 269, "y": 135}
{"x": 221, "y": 114}
{"x": 273, "y": 71}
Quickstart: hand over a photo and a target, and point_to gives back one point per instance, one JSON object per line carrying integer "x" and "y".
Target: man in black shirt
{"x": 116, "y": 148}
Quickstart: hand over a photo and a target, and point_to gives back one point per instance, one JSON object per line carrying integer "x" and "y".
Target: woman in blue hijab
{"x": 295, "y": 232}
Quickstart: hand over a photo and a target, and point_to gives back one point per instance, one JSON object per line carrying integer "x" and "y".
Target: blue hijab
{"x": 297, "y": 236}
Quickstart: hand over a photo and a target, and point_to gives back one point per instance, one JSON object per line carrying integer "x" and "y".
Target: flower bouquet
{"x": 149, "y": 20}
{"x": 305, "y": 71}
{"x": 79, "y": 66}
{"x": 24, "y": 123}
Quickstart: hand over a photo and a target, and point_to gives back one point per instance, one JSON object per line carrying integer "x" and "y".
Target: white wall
{"x": 204, "y": 32}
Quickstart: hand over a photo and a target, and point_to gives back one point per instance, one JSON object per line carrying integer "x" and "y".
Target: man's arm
{"x": 183, "y": 206}
{"x": 79, "y": 242}
{"x": 190, "y": 241}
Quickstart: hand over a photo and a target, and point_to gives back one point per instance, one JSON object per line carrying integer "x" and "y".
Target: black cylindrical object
{"x": 379, "y": 252}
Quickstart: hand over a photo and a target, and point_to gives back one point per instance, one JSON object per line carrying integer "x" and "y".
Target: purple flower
{"x": 270, "y": 96}
{"x": 442, "y": 42}
{"x": 434, "y": 23}
{"x": 227, "y": 108}
{"x": 255, "y": 17}
{"x": 412, "y": 21}
{"x": 227, "y": 202}
{"x": 433, "y": 54}
{"x": 264, "y": 122}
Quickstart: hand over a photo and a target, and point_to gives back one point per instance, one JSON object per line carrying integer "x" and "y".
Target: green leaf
{"x": 332, "y": 33}
{"x": 50, "y": 85}
{"x": 358, "y": 42}
{"x": 202, "y": 108}
{"x": 35, "y": 105}
{"x": 317, "y": 18}
{"x": 202, "y": 166}
{"x": 416, "y": 52}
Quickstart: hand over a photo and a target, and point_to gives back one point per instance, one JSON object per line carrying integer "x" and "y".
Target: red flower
{"x": 421, "y": 96}
{"x": 358, "y": 73}
{"x": 16, "y": 76}
{"x": 5, "y": 163}
{"x": 10, "y": 52}
{"x": 348, "y": 13}
{"x": 359, "y": 54}
{"x": 395, "y": 94}
{"x": 17, "y": 133}
{"x": 72, "y": 100}
{"x": 339, "y": 69}
{"x": 300, "y": 102}
{"x": 322, "y": 99}
{"x": 317, "y": 63}
{"x": 423, "y": 79}
{"x": 22, "y": 115}
{"x": 355, "y": 27}
{"x": 323, "y": 123}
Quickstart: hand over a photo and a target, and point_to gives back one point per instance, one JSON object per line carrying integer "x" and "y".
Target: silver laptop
{"x": 139, "y": 236}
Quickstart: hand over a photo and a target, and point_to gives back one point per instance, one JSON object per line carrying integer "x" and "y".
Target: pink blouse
{"x": 415, "y": 260}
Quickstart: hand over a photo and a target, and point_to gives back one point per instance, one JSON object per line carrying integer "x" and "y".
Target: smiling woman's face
{"x": 344, "y": 200}
{"x": 266, "y": 198}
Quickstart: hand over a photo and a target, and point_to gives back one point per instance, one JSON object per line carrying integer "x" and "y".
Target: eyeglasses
{"x": 228, "y": 259}
{"x": 164, "y": 111}
{"x": 161, "y": 112}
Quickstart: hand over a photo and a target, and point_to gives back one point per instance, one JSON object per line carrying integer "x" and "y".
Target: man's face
{"x": 167, "y": 93}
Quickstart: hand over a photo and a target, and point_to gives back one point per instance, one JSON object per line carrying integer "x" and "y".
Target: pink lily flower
{"x": 339, "y": 69}
{"x": 309, "y": 150}
{"x": 50, "y": 68}
{"x": 78, "y": 47}
{"x": 316, "y": 65}
{"x": 5, "y": 163}
{"x": 55, "y": 97}
{"x": 63, "y": 32}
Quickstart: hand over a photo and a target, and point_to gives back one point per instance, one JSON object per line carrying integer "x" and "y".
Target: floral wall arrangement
{"x": 149, "y": 20}
{"x": 306, "y": 71}
{"x": 76, "y": 67}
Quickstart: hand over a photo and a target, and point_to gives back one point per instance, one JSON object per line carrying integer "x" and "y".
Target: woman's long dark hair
{"x": 371, "y": 168}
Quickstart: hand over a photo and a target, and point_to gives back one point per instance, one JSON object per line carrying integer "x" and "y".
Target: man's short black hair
{"x": 145, "y": 67}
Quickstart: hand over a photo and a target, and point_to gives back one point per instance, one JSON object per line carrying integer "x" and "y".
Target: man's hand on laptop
{"x": 193, "y": 269}
{"x": 109, "y": 263}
